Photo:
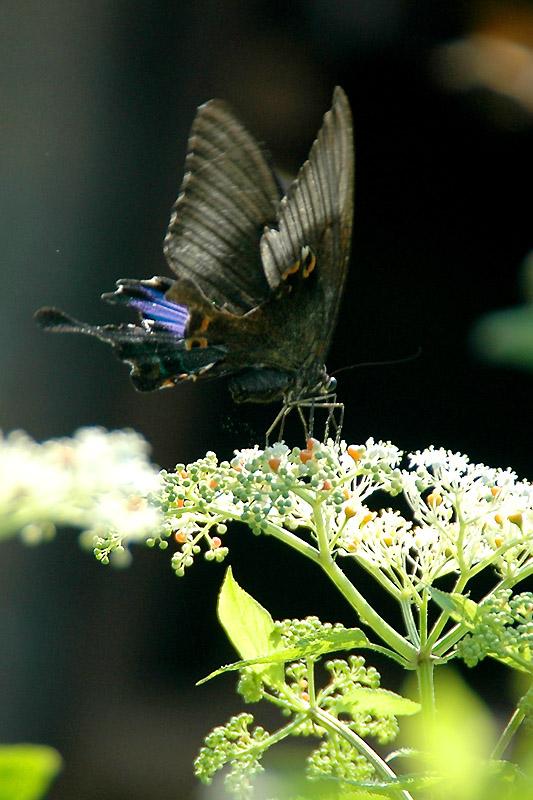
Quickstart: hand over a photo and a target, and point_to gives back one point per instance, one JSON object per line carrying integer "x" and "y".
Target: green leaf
{"x": 308, "y": 647}
{"x": 459, "y": 607}
{"x": 248, "y": 625}
{"x": 27, "y": 770}
{"x": 379, "y": 702}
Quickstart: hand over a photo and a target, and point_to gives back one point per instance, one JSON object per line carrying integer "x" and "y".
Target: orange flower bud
{"x": 354, "y": 453}
{"x": 306, "y": 455}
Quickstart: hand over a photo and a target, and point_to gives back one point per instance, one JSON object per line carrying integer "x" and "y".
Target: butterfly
{"x": 259, "y": 273}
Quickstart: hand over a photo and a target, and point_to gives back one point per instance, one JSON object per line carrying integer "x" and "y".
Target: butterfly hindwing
{"x": 317, "y": 212}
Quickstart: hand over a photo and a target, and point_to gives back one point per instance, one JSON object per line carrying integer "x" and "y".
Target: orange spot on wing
{"x": 290, "y": 271}
{"x": 309, "y": 267}
{"x": 195, "y": 341}
{"x": 204, "y": 325}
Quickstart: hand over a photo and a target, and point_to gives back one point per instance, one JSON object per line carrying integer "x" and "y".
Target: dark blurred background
{"x": 97, "y": 102}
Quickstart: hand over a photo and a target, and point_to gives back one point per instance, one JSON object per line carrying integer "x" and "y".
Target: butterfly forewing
{"x": 228, "y": 195}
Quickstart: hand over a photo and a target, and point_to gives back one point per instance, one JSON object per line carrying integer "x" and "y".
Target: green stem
{"x": 425, "y": 676}
{"x": 510, "y": 730}
{"x": 383, "y": 771}
{"x": 287, "y": 538}
{"x": 407, "y": 613}
{"x": 364, "y": 610}
{"x": 366, "y": 613}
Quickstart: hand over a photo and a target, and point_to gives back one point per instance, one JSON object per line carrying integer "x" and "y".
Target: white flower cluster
{"x": 96, "y": 481}
{"x": 445, "y": 516}
{"x": 450, "y": 516}
{"x": 463, "y": 517}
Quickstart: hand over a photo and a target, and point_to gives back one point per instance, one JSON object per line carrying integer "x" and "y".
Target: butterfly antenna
{"x": 387, "y": 363}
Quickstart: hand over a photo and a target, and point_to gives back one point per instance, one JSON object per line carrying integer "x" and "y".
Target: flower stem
{"x": 510, "y": 729}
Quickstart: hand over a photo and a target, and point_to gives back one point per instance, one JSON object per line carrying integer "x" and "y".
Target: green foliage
{"x": 500, "y": 627}
{"x": 27, "y": 770}
{"x": 233, "y": 744}
{"x": 350, "y": 706}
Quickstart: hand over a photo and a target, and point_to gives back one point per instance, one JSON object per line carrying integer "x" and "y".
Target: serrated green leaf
{"x": 27, "y": 770}
{"x": 379, "y": 702}
{"x": 311, "y": 646}
{"x": 248, "y": 625}
{"x": 459, "y": 607}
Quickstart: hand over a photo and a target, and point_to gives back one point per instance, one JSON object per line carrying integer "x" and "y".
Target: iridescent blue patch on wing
{"x": 148, "y": 298}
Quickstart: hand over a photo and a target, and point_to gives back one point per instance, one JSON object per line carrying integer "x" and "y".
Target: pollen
{"x": 353, "y": 545}
{"x": 434, "y": 499}
{"x": 516, "y": 519}
{"x": 180, "y": 537}
{"x": 349, "y": 511}
{"x": 274, "y": 463}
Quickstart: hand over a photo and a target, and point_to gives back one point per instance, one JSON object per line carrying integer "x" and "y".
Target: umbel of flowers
{"x": 462, "y": 517}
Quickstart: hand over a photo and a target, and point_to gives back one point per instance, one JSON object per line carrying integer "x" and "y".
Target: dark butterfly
{"x": 260, "y": 275}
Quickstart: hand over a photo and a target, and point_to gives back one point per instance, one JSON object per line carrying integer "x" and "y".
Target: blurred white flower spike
{"x": 96, "y": 481}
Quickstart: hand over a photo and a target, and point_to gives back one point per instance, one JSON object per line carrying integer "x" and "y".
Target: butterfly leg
{"x": 331, "y": 420}
{"x": 279, "y": 420}
{"x": 308, "y": 430}
{"x": 309, "y": 433}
